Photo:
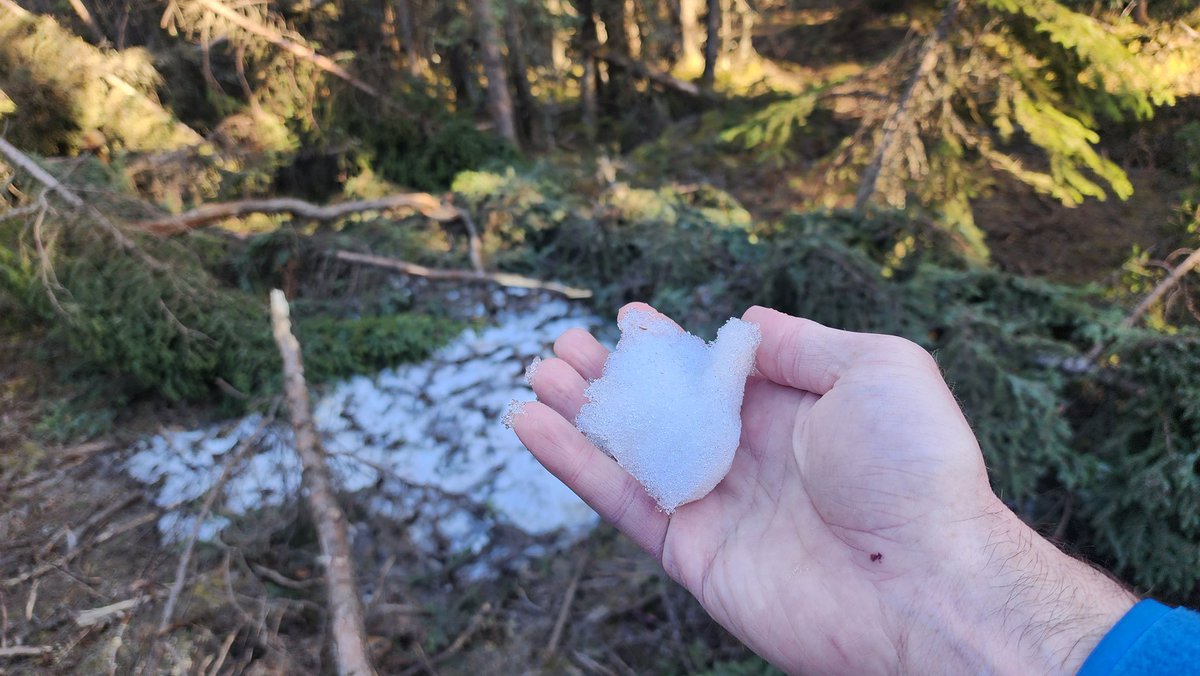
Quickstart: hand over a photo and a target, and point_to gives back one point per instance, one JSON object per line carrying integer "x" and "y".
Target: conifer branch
{"x": 896, "y": 119}
{"x": 291, "y": 46}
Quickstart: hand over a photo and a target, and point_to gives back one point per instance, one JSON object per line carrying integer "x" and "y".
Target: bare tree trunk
{"x": 349, "y": 634}
{"x": 588, "y": 81}
{"x": 499, "y": 102}
{"x": 896, "y": 119}
{"x": 712, "y": 45}
{"x": 413, "y": 57}
{"x": 689, "y": 31}
{"x": 614, "y": 96}
{"x": 528, "y": 119}
{"x": 745, "y": 49}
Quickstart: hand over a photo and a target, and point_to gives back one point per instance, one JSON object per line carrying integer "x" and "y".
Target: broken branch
{"x": 498, "y": 278}
{"x": 1135, "y": 316}
{"x": 349, "y": 633}
{"x": 426, "y": 204}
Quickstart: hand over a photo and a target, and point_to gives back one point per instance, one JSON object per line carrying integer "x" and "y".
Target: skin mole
{"x": 877, "y": 557}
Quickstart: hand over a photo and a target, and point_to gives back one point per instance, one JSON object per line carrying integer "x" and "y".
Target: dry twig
{"x": 349, "y": 633}
{"x": 25, "y": 651}
{"x": 473, "y": 626}
{"x": 498, "y": 278}
{"x": 564, "y": 610}
{"x": 70, "y": 556}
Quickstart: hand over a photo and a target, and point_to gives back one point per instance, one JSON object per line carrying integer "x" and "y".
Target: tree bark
{"x": 712, "y": 44}
{"x": 499, "y": 102}
{"x": 349, "y": 634}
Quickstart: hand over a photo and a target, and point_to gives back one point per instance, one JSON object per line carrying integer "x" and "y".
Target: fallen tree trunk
{"x": 645, "y": 72}
{"x": 349, "y": 633}
{"x": 497, "y": 278}
{"x": 426, "y": 204}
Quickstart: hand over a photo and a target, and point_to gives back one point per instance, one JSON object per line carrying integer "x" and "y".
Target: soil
{"x": 1033, "y": 235}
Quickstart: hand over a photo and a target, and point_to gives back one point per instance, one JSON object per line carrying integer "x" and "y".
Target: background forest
{"x": 1013, "y": 184}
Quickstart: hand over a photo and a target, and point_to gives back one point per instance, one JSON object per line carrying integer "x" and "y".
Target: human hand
{"x": 856, "y": 531}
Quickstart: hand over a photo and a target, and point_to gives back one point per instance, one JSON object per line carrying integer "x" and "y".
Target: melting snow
{"x": 423, "y": 442}
{"x": 668, "y": 406}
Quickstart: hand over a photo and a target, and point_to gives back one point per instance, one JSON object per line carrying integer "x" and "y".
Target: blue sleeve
{"x": 1151, "y": 639}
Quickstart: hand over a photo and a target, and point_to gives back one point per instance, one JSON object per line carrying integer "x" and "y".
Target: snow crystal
{"x": 668, "y": 406}
{"x": 531, "y": 370}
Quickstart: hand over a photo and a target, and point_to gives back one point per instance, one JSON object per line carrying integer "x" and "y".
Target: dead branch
{"x": 25, "y": 651}
{"x": 88, "y": 20}
{"x": 26, "y": 164}
{"x": 1161, "y": 290}
{"x": 564, "y": 611}
{"x": 291, "y": 46}
{"x": 349, "y": 633}
{"x": 92, "y": 616}
{"x": 498, "y": 278}
{"x": 1139, "y": 311}
{"x": 648, "y": 73}
{"x": 426, "y": 204}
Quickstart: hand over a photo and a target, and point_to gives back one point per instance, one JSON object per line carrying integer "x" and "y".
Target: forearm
{"x": 1012, "y": 602}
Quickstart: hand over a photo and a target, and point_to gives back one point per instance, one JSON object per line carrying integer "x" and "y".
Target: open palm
{"x": 857, "y": 479}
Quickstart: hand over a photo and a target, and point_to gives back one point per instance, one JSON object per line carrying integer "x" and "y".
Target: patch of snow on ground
{"x": 423, "y": 442}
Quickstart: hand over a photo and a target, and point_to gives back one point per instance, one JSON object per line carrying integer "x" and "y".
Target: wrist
{"x": 1012, "y": 602}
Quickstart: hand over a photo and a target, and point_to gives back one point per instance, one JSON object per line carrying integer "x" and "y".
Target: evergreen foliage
{"x": 176, "y": 333}
{"x": 1008, "y": 75}
{"x": 65, "y": 89}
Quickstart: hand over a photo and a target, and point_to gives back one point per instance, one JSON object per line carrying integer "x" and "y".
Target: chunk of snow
{"x": 668, "y": 406}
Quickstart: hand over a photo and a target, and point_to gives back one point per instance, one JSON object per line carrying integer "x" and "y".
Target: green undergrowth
{"x": 1107, "y": 457}
{"x": 180, "y": 333}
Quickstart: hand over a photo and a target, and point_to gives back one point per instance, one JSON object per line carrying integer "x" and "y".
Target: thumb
{"x": 805, "y": 355}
